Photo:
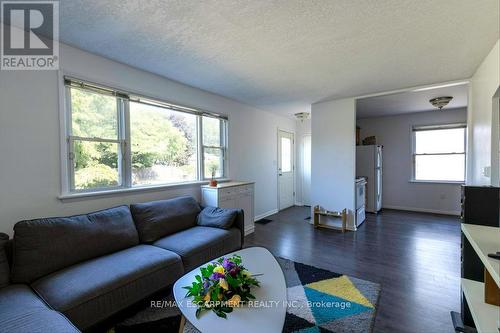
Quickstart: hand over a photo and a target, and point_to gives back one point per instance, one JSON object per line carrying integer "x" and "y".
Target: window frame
{"x": 413, "y": 154}
{"x": 123, "y": 139}
{"x": 222, "y": 147}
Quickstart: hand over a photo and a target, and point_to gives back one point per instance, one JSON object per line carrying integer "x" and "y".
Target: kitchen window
{"x": 119, "y": 140}
{"x": 439, "y": 153}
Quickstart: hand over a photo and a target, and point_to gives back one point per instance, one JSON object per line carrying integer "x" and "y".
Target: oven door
{"x": 360, "y": 194}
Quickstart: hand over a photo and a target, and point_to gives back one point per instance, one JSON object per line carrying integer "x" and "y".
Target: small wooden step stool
{"x": 318, "y": 212}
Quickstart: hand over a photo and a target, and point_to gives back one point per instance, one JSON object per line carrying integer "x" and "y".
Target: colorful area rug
{"x": 324, "y": 301}
{"x": 320, "y": 301}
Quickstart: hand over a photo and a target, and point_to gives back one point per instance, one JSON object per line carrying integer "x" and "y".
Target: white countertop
{"x": 229, "y": 184}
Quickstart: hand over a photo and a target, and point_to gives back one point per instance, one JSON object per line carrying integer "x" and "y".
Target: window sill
{"x": 449, "y": 182}
{"x": 131, "y": 190}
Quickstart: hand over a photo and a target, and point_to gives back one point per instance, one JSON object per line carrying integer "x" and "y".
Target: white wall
{"x": 30, "y": 139}
{"x": 495, "y": 139}
{"x": 484, "y": 84}
{"x": 302, "y": 128}
{"x": 333, "y": 155}
{"x": 394, "y": 133}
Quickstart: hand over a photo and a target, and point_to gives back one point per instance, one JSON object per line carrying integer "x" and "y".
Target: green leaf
{"x": 232, "y": 281}
{"x": 220, "y": 313}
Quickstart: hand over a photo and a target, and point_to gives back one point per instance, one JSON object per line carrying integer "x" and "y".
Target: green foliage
{"x": 211, "y": 131}
{"x": 93, "y": 115}
{"x": 158, "y": 137}
{"x": 99, "y": 175}
{"x": 96, "y": 164}
{"x": 221, "y": 286}
{"x": 158, "y": 140}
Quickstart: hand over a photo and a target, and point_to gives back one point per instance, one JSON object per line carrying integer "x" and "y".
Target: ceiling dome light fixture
{"x": 302, "y": 116}
{"x": 440, "y": 102}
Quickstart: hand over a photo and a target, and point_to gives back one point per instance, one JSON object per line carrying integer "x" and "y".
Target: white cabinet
{"x": 232, "y": 195}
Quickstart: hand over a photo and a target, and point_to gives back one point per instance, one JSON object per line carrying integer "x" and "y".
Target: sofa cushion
{"x": 22, "y": 311}
{"x": 198, "y": 245}
{"x": 93, "y": 290}
{"x": 47, "y": 245}
{"x": 161, "y": 218}
{"x": 4, "y": 262}
{"x": 217, "y": 217}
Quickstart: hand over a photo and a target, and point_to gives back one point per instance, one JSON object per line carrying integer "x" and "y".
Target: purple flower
{"x": 228, "y": 265}
{"x": 206, "y": 284}
{"x": 216, "y": 276}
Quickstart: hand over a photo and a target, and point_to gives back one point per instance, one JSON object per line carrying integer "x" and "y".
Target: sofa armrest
{"x": 239, "y": 223}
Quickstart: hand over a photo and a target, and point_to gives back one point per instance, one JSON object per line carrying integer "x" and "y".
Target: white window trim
{"x": 67, "y": 191}
{"x": 135, "y": 189}
{"x": 222, "y": 147}
{"x": 412, "y": 152}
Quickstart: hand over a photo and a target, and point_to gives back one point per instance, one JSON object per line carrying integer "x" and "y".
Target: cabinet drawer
{"x": 247, "y": 189}
{"x": 227, "y": 192}
{"x": 235, "y": 191}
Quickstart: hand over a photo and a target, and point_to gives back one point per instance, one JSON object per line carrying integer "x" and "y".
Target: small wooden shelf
{"x": 318, "y": 212}
{"x": 485, "y": 240}
{"x": 485, "y": 316}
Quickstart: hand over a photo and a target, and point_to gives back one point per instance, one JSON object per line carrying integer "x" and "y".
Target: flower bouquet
{"x": 222, "y": 285}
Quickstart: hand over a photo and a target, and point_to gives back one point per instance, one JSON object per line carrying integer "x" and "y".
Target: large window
{"x": 118, "y": 140}
{"x": 163, "y": 145}
{"x": 439, "y": 153}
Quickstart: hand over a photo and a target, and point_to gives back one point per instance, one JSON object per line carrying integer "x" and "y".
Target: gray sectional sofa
{"x": 69, "y": 273}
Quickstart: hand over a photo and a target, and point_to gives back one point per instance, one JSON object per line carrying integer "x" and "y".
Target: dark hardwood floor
{"x": 414, "y": 256}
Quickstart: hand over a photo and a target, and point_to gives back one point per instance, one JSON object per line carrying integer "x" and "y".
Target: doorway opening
{"x": 421, "y": 134}
{"x": 286, "y": 169}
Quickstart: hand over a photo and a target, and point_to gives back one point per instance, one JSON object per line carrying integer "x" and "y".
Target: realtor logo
{"x": 30, "y": 35}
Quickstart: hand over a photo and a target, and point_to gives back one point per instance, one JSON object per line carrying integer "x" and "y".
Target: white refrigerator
{"x": 369, "y": 165}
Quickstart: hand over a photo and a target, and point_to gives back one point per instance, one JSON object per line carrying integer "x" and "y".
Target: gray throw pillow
{"x": 157, "y": 219}
{"x": 217, "y": 217}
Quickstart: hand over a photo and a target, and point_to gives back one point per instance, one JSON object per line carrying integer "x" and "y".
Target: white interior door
{"x": 306, "y": 170}
{"x": 285, "y": 170}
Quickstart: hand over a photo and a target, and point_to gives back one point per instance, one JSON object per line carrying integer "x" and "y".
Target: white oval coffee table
{"x": 267, "y": 317}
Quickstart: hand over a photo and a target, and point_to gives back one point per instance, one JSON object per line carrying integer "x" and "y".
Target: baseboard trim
{"x": 424, "y": 210}
{"x": 250, "y": 230}
{"x": 266, "y": 214}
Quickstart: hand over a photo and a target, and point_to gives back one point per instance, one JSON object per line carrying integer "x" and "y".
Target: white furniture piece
{"x": 484, "y": 240}
{"x": 369, "y": 165}
{"x": 245, "y": 319}
{"x": 234, "y": 194}
{"x": 360, "y": 201}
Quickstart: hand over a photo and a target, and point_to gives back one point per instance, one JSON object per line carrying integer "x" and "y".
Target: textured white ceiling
{"x": 410, "y": 101}
{"x": 283, "y": 55}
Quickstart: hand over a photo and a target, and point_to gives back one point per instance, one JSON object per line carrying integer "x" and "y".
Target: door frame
{"x": 294, "y": 154}
{"x": 302, "y": 178}
{"x": 495, "y": 140}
